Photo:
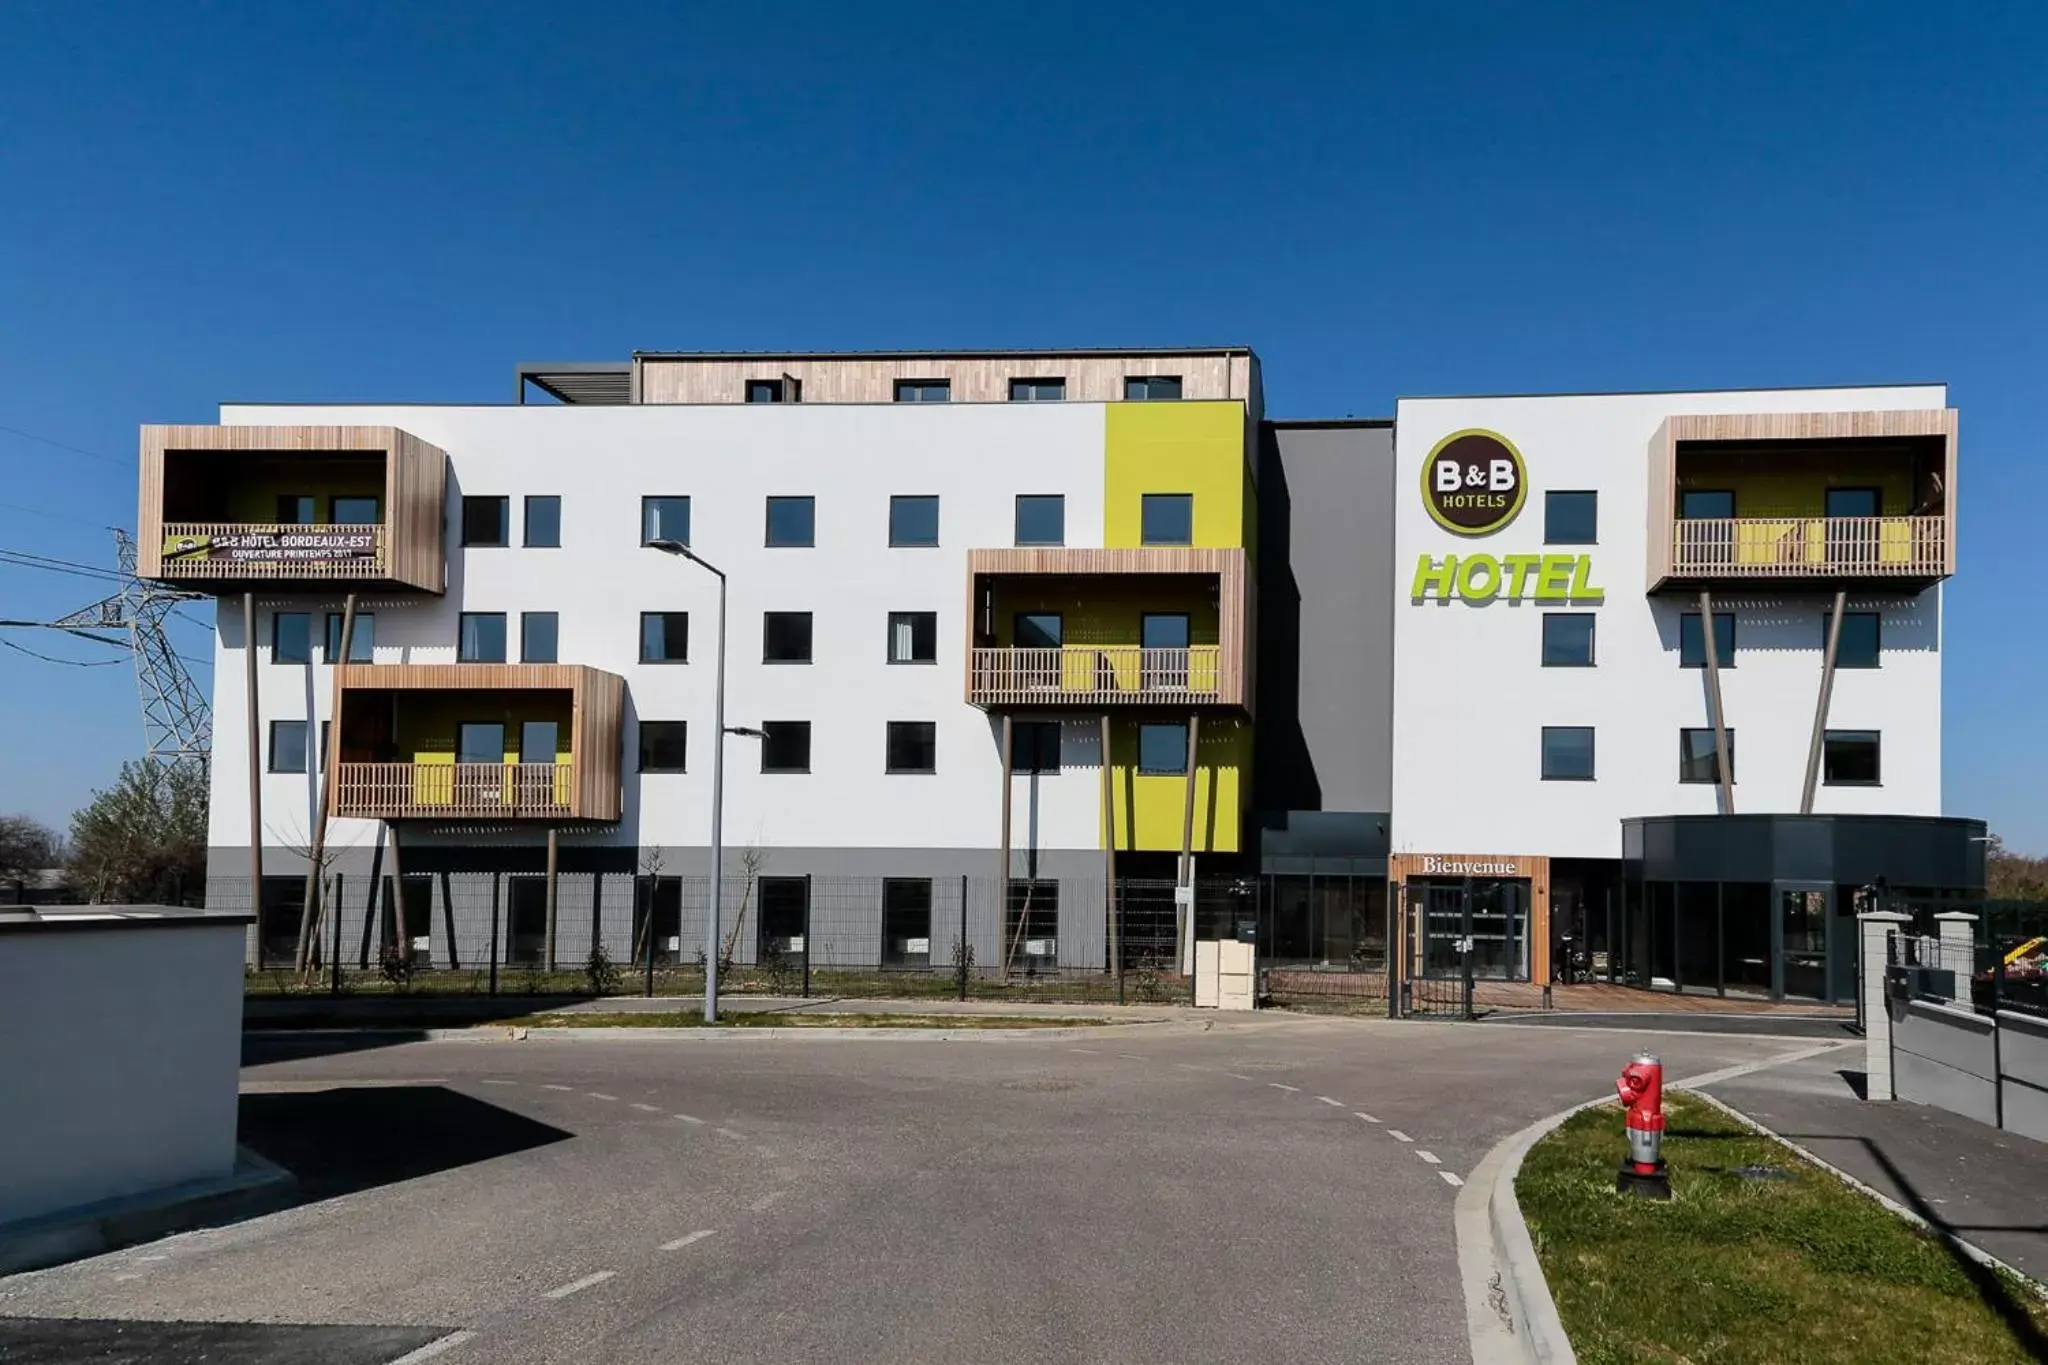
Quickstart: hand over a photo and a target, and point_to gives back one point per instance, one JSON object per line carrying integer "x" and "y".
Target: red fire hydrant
{"x": 1642, "y": 1095}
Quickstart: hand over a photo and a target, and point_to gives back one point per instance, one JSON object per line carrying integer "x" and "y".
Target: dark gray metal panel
{"x": 1326, "y": 618}
{"x": 1906, "y": 850}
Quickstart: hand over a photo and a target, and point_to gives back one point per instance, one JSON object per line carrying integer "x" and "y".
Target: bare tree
{"x": 752, "y": 859}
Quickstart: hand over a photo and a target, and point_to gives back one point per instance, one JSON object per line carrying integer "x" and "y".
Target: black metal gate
{"x": 1435, "y": 962}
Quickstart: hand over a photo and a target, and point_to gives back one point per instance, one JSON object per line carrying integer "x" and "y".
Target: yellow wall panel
{"x": 1149, "y": 809}
{"x": 1166, "y": 447}
{"x": 1792, "y": 488}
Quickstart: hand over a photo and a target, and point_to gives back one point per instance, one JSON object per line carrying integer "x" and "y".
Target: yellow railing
{"x": 1095, "y": 675}
{"x": 224, "y": 549}
{"x": 1810, "y": 547}
{"x": 387, "y": 791}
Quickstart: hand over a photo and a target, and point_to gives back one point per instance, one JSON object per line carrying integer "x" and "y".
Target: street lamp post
{"x": 676, "y": 547}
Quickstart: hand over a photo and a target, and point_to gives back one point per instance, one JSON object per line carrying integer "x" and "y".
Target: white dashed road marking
{"x": 1085, "y": 1051}
{"x": 647, "y": 1108}
{"x": 1335, "y": 1104}
{"x": 1450, "y": 1179}
{"x": 729, "y": 1133}
{"x": 767, "y": 1201}
{"x": 1130, "y": 1056}
{"x": 558, "y": 1087}
{"x": 1235, "y": 1077}
{"x": 1367, "y": 1117}
{"x": 578, "y": 1286}
{"x": 488, "y": 1080}
{"x": 1277, "y": 1086}
{"x": 679, "y": 1243}
{"x": 434, "y": 1348}
{"x": 690, "y": 1118}
{"x": 1397, "y": 1135}
{"x": 1430, "y": 1157}
{"x": 592, "y": 1094}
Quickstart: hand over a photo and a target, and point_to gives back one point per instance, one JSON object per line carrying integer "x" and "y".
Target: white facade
{"x": 728, "y": 459}
{"x": 1471, "y": 694}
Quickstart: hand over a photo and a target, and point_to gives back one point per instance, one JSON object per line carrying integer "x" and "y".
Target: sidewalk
{"x": 1987, "y": 1187}
{"x": 458, "y": 1009}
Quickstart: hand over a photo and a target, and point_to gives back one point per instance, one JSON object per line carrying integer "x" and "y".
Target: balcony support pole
{"x": 309, "y": 918}
{"x": 1003, "y": 878}
{"x": 1721, "y": 766}
{"x": 1184, "y": 913}
{"x": 255, "y": 768}
{"x": 1109, "y": 897}
{"x": 1820, "y": 709}
{"x": 552, "y": 854}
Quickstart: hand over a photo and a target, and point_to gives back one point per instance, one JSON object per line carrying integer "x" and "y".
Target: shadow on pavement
{"x": 258, "y": 1048}
{"x": 353, "y": 1138}
{"x": 76, "y": 1341}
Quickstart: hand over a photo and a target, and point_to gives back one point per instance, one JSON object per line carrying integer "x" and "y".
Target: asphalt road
{"x": 1266, "y": 1188}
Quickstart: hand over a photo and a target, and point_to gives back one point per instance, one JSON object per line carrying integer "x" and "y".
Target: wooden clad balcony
{"x": 224, "y": 508}
{"x": 455, "y": 791}
{"x": 1808, "y": 547}
{"x": 1096, "y": 675}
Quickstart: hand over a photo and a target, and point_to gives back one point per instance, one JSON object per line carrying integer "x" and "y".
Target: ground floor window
{"x": 282, "y": 906}
{"x": 907, "y": 922}
{"x": 1338, "y": 922}
{"x": 785, "y": 918}
{"x": 408, "y": 914}
{"x": 1031, "y": 926}
{"x": 1492, "y": 912}
{"x": 658, "y": 921}
{"x": 526, "y": 920}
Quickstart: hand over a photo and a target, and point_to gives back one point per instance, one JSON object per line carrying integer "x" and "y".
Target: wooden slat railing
{"x": 1095, "y": 675}
{"x": 389, "y": 791}
{"x": 251, "y": 550}
{"x": 1810, "y": 547}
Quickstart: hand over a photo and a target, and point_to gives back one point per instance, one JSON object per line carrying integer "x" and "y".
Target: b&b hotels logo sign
{"x": 1474, "y": 484}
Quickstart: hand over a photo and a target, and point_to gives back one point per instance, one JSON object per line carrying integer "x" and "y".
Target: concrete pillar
{"x": 1959, "y": 951}
{"x": 1876, "y": 927}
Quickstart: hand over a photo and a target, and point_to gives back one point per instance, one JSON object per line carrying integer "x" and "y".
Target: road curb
{"x": 255, "y": 1186}
{"x": 500, "y": 1033}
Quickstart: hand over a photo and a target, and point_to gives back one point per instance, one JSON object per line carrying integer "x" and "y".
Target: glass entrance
{"x": 1801, "y": 925}
{"x": 1492, "y": 912}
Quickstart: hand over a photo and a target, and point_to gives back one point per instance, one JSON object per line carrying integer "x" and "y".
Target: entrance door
{"x": 1800, "y": 934}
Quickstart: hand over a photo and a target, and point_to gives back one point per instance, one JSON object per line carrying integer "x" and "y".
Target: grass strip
{"x": 1740, "y": 1269}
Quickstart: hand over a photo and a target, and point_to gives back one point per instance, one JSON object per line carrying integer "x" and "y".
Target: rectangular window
{"x": 664, "y": 637}
{"x": 480, "y": 637}
{"x": 1031, "y": 926}
{"x": 1568, "y": 639}
{"x": 1041, "y": 519}
{"x": 540, "y": 741}
{"x": 924, "y": 390}
{"x": 665, "y": 518}
{"x": 287, "y": 746}
{"x": 785, "y": 918}
{"x": 526, "y": 920}
{"x": 1853, "y": 502}
{"x": 1861, "y": 642}
{"x": 291, "y": 637}
{"x": 1163, "y": 749}
{"x": 1163, "y": 630}
{"x": 1167, "y": 519}
{"x": 486, "y": 521}
{"x": 481, "y": 741}
{"x": 1706, "y": 504}
{"x": 785, "y": 746}
{"x": 913, "y": 637}
{"x": 1036, "y": 630}
{"x": 906, "y": 922}
{"x": 539, "y": 637}
{"x": 297, "y": 509}
{"x": 792, "y": 522}
{"x": 543, "y": 523}
{"x": 1692, "y": 644}
{"x": 1696, "y": 756}
{"x": 664, "y": 746}
{"x": 1035, "y": 746}
{"x": 1140, "y": 387}
{"x": 1038, "y": 390}
{"x": 1849, "y": 758}
{"x": 785, "y": 637}
{"x": 913, "y": 520}
{"x": 913, "y": 747}
{"x": 353, "y": 510}
{"x": 783, "y": 390}
{"x": 1571, "y": 518}
{"x": 362, "y": 643}
{"x": 1567, "y": 753}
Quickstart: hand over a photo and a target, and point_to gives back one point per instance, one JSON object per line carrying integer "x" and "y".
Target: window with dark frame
{"x": 1850, "y": 758}
{"x": 1052, "y": 390}
{"x": 1567, "y": 753}
{"x": 906, "y": 921}
{"x": 785, "y": 637}
{"x": 1706, "y": 504}
{"x": 1568, "y": 639}
{"x": 362, "y": 644}
{"x": 924, "y": 390}
{"x": 486, "y": 522}
{"x": 480, "y": 637}
{"x": 298, "y": 509}
{"x": 1143, "y": 387}
{"x": 912, "y": 747}
{"x": 1696, "y": 759}
{"x": 785, "y": 923}
{"x": 1861, "y": 644}
{"x": 1041, "y": 519}
{"x": 1031, "y": 922}
{"x": 785, "y": 746}
{"x": 664, "y": 746}
{"x": 1035, "y": 746}
{"x": 1163, "y": 749}
{"x": 784, "y": 390}
{"x": 913, "y": 637}
{"x": 1037, "y": 630}
{"x": 539, "y": 637}
{"x": 1166, "y": 519}
{"x": 664, "y": 637}
{"x": 1692, "y": 644}
{"x": 1571, "y": 518}
{"x": 291, "y": 637}
{"x": 913, "y": 520}
{"x": 543, "y": 530}
{"x": 665, "y": 518}
{"x": 354, "y": 509}
{"x": 287, "y": 746}
{"x": 792, "y": 522}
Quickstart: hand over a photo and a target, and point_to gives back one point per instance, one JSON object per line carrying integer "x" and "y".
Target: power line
{"x": 23, "y": 559}
{"x": 72, "y": 663}
{"x": 54, "y": 516}
{"x": 60, "y": 445}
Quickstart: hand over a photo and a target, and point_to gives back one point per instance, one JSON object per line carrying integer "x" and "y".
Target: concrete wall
{"x": 119, "y": 1070}
{"x": 1947, "y": 1058}
{"x": 2023, "y": 1060}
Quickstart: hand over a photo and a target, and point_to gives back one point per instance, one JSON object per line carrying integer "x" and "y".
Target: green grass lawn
{"x": 1736, "y": 1271}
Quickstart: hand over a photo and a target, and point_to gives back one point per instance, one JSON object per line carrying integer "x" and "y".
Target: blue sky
{"x": 315, "y": 201}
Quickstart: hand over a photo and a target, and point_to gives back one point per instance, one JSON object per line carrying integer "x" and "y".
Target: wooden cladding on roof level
{"x": 973, "y": 379}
